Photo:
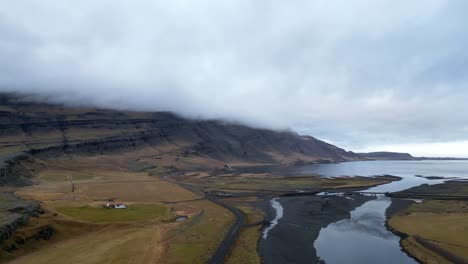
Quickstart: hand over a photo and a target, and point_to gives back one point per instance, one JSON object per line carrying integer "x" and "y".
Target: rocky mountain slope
{"x": 45, "y": 130}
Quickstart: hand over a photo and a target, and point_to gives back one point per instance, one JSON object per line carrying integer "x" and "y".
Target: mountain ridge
{"x": 31, "y": 129}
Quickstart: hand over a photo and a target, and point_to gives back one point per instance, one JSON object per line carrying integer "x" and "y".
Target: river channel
{"x": 302, "y": 234}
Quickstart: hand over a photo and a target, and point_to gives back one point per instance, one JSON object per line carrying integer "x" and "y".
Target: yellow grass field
{"x": 245, "y": 248}
{"x": 133, "y": 213}
{"x": 72, "y": 190}
{"x": 443, "y": 223}
{"x": 266, "y": 181}
{"x": 142, "y": 233}
{"x": 113, "y": 244}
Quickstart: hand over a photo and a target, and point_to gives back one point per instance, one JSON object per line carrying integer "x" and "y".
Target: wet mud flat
{"x": 292, "y": 239}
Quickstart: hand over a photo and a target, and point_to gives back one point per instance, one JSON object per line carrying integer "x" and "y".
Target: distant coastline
{"x": 386, "y": 155}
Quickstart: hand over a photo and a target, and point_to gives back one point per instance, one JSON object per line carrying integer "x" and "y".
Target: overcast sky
{"x": 363, "y": 74}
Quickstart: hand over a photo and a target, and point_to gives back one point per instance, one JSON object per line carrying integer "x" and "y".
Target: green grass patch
{"x": 439, "y": 207}
{"x": 252, "y": 214}
{"x": 285, "y": 182}
{"x": 10, "y": 150}
{"x": 103, "y": 215}
{"x": 136, "y": 166}
{"x": 200, "y": 236}
{"x": 245, "y": 248}
{"x": 55, "y": 176}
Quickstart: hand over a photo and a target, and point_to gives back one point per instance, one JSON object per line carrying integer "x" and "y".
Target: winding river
{"x": 363, "y": 238}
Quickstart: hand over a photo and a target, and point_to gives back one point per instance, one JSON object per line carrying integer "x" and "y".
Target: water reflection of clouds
{"x": 367, "y": 228}
{"x": 362, "y": 238}
{"x": 403, "y": 184}
{"x": 398, "y": 168}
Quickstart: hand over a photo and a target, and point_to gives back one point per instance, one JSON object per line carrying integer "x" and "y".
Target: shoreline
{"x": 322, "y": 211}
{"x": 303, "y": 218}
{"x": 424, "y": 249}
{"x": 397, "y": 206}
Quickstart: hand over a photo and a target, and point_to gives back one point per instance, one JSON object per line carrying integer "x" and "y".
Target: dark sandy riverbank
{"x": 397, "y": 206}
{"x": 292, "y": 241}
{"x": 453, "y": 187}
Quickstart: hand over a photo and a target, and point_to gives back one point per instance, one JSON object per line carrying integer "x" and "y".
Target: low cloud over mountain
{"x": 362, "y": 74}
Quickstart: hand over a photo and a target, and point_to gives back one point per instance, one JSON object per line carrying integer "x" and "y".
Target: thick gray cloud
{"x": 358, "y": 73}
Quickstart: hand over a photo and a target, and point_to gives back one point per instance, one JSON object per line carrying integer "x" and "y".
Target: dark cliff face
{"x": 45, "y": 130}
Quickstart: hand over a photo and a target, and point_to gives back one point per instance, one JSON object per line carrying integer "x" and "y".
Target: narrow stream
{"x": 279, "y": 214}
